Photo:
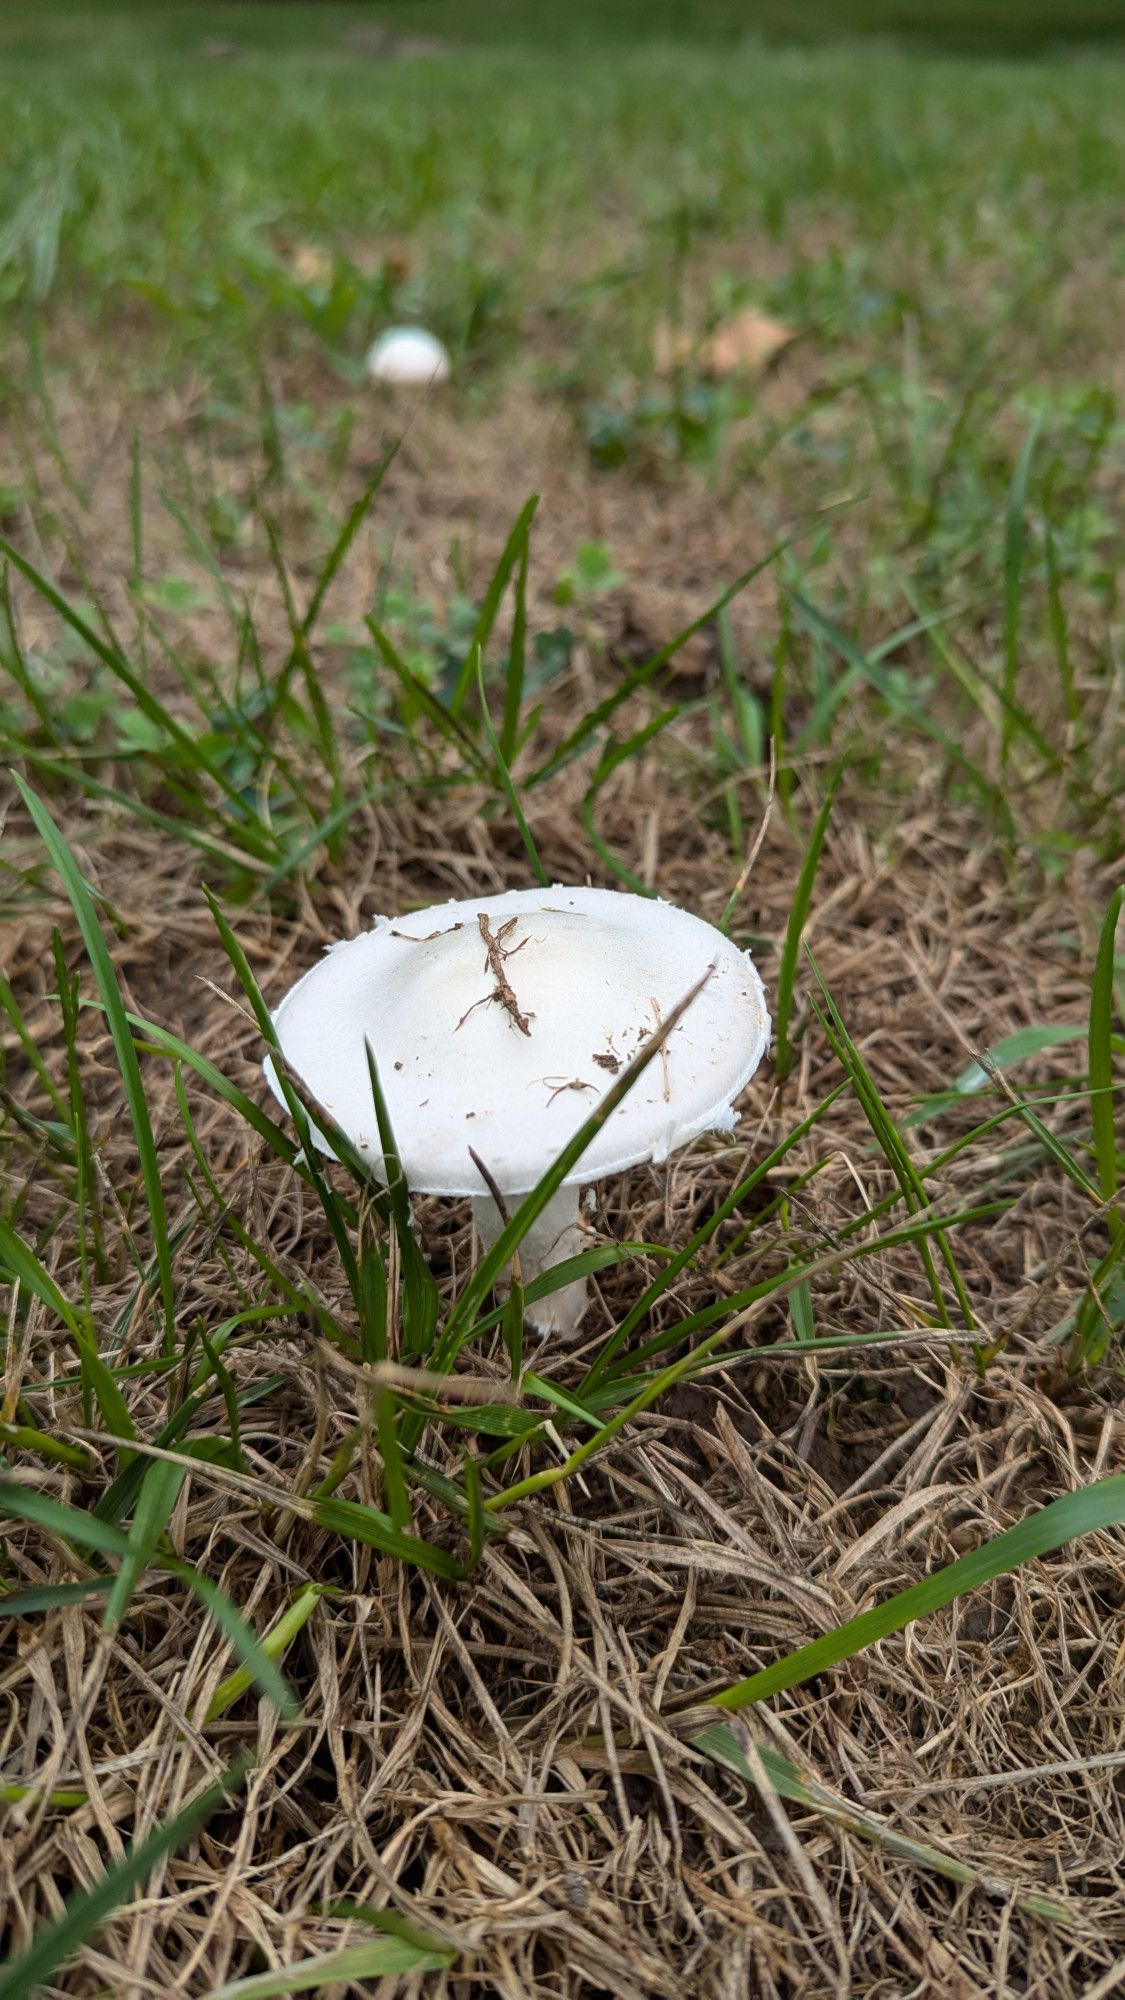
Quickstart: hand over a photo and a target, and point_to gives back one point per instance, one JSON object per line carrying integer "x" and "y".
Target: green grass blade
{"x": 22, "y": 1264}
{"x": 894, "y": 1148}
{"x": 1015, "y": 535}
{"x": 247, "y": 1645}
{"x": 517, "y": 655}
{"x": 1060, "y": 633}
{"x": 160, "y": 1489}
{"x": 1084, "y": 1512}
{"x": 353, "y": 522}
{"x": 612, "y": 756}
{"x": 794, "y": 930}
{"x": 901, "y": 706}
{"x": 117, "y": 1022}
{"x": 1010, "y": 1049}
{"x": 110, "y": 1401}
{"x": 482, "y": 631}
{"x": 355, "y": 1522}
{"x": 916, "y": 1231}
{"x": 86, "y": 1531}
{"x": 449, "y": 725}
{"x": 1101, "y": 1310}
{"x": 24, "y": 1437}
{"x": 111, "y": 656}
{"x": 66, "y": 1799}
{"x": 161, "y": 1041}
{"x": 419, "y": 1290}
{"x": 232, "y": 852}
{"x": 476, "y": 1521}
{"x": 85, "y": 1194}
{"x": 229, "y": 1395}
{"x": 329, "y": 1202}
{"x": 640, "y": 1310}
{"x": 378, "y": 1959}
{"x": 1101, "y": 1052}
{"x": 301, "y": 657}
{"x": 26, "y": 1040}
{"x": 274, "y": 1644}
{"x": 799, "y": 1786}
{"x": 86, "y": 1912}
{"x": 504, "y": 778}
{"x": 50, "y": 1597}
{"x": 91, "y": 1532}
{"x": 576, "y": 742}
{"x": 395, "y": 1490}
{"x": 1051, "y": 1145}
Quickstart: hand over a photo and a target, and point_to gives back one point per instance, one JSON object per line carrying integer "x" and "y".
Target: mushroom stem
{"x": 554, "y": 1235}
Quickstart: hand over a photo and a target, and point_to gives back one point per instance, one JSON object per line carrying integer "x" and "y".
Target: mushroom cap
{"x": 408, "y": 354}
{"x": 591, "y": 973}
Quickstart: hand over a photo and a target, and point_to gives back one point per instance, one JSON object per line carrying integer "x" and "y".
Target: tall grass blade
{"x": 355, "y": 1522}
{"x": 495, "y": 1261}
{"x": 482, "y": 631}
{"x": 26, "y": 1041}
{"x": 1101, "y": 1054}
{"x": 117, "y": 1022}
{"x": 353, "y": 522}
{"x": 1015, "y": 534}
{"x": 86, "y": 1912}
{"x": 245, "y": 1642}
{"x": 274, "y": 1644}
{"x": 49, "y": 1597}
{"x": 641, "y": 1308}
{"x": 895, "y": 1151}
{"x": 160, "y": 1489}
{"x": 576, "y": 742}
{"x": 419, "y": 1289}
{"x": 380, "y": 1958}
{"x": 89, "y": 1531}
{"x": 330, "y": 1205}
{"x": 794, "y": 930}
{"x": 614, "y": 755}
{"x": 1060, "y": 633}
{"x": 415, "y": 690}
{"x": 517, "y": 654}
{"x": 1101, "y": 1310}
{"x": 23, "y": 1265}
{"x": 901, "y": 706}
{"x": 1084, "y": 1512}
{"x": 111, "y": 656}
{"x": 721, "y": 1742}
{"x": 504, "y": 778}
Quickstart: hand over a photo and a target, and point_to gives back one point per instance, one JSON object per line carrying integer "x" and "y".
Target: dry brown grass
{"x": 505, "y": 1759}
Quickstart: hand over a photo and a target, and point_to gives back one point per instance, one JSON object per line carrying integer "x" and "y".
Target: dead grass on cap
{"x": 506, "y": 1760}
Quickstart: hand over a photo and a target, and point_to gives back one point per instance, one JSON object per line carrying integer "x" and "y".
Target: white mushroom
{"x": 408, "y": 354}
{"x": 499, "y": 1023}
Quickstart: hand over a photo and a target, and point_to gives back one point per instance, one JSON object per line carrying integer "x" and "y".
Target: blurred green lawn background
{"x": 988, "y": 26}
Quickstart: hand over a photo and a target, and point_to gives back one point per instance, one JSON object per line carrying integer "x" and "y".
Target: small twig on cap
{"x": 408, "y": 937}
{"x": 494, "y": 963}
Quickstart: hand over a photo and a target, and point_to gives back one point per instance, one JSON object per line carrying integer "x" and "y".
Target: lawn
{"x": 766, "y": 1638}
